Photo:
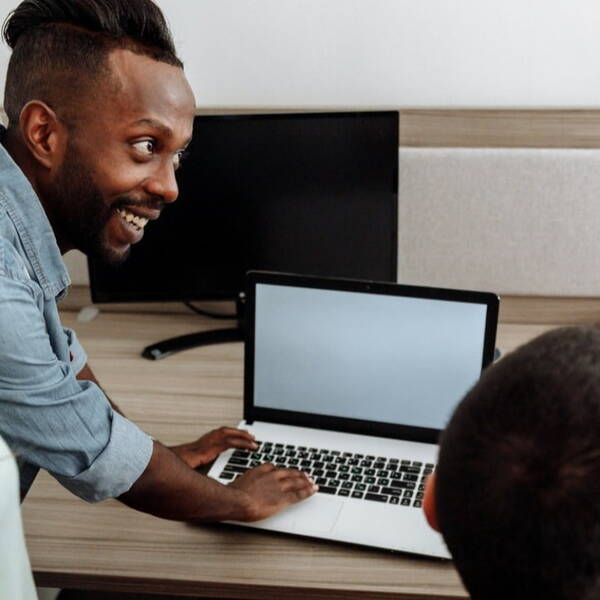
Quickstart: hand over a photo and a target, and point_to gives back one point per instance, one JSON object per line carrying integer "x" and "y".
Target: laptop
{"x": 352, "y": 382}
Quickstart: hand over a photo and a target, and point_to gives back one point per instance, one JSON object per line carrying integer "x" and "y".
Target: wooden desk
{"x": 113, "y": 548}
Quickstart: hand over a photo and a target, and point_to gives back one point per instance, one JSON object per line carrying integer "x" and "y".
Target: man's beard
{"x": 79, "y": 211}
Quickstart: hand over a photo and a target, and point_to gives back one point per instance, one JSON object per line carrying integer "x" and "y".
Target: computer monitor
{"x": 307, "y": 193}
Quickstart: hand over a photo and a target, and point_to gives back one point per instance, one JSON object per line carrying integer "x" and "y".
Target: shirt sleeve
{"x": 76, "y": 351}
{"x": 51, "y": 419}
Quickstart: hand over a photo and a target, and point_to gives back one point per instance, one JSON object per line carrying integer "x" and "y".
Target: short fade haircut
{"x": 60, "y": 48}
{"x": 518, "y": 477}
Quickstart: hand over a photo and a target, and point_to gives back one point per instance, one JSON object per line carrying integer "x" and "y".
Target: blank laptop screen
{"x": 390, "y": 359}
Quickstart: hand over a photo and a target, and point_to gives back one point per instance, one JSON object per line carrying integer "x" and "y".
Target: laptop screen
{"x": 367, "y": 356}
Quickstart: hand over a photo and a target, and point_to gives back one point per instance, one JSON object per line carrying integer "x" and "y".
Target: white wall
{"x": 435, "y": 53}
{"x": 442, "y": 53}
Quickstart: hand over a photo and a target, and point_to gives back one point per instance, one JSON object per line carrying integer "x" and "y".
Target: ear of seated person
{"x": 516, "y": 493}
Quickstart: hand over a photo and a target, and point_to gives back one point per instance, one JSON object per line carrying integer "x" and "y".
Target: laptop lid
{"x": 364, "y": 357}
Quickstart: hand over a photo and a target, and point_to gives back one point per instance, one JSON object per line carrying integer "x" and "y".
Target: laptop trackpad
{"x": 316, "y": 515}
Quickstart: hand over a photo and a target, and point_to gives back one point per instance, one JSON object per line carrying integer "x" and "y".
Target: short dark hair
{"x": 518, "y": 477}
{"x": 60, "y": 47}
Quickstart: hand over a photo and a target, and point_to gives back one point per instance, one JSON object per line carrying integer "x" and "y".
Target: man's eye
{"x": 145, "y": 147}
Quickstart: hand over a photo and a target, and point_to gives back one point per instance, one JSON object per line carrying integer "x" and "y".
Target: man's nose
{"x": 163, "y": 184}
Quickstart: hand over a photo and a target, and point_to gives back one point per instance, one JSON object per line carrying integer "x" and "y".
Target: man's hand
{"x": 270, "y": 489}
{"x": 210, "y": 445}
{"x": 168, "y": 488}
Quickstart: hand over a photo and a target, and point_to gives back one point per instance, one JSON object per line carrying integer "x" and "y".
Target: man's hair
{"x": 518, "y": 477}
{"x": 60, "y": 48}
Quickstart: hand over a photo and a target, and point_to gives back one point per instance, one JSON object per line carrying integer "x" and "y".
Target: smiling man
{"x": 99, "y": 114}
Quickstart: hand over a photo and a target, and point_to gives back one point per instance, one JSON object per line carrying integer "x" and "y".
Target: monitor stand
{"x": 170, "y": 346}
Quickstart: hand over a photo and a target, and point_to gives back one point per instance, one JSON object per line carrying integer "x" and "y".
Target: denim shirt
{"x": 49, "y": 418}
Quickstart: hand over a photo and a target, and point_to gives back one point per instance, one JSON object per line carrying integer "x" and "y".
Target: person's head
{"x": 99, "y": 112}
{"x": 516, "y": 493}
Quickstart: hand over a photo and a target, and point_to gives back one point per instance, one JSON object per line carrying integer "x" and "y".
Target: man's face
{"x": 118, "y": 170}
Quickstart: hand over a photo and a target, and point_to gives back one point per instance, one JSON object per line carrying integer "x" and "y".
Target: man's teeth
{"x": 139, "y": 222}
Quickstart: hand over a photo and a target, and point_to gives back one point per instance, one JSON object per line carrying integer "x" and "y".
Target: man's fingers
{"x": 292, "y": 484}
{"x": 238, "y": 442}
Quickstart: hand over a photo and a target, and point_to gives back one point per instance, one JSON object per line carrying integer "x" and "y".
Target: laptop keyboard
{"x": 359, "y": 476}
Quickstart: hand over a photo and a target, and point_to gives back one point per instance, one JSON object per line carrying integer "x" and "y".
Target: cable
{"x": 206, "y": 313}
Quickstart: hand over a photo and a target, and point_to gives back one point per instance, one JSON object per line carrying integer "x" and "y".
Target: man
{"x": 99, "y": 114}
{"x": 516, "y": 493}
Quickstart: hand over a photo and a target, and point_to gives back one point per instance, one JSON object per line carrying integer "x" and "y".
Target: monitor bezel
{"x": 388, "y": 430}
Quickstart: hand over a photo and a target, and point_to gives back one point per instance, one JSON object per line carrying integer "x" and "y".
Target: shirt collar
{"x": 25, "y": 210}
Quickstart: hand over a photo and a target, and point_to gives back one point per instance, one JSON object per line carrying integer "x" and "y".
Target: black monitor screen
{"x": 314, "y": 194}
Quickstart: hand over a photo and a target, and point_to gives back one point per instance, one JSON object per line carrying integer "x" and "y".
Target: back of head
{"x": 60, "y": 48}
{"x": 518, "y": 479}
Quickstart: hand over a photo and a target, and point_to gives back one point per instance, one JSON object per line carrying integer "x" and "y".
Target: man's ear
{"x": 43, "y": 133}
{"x": 429, "y": 502}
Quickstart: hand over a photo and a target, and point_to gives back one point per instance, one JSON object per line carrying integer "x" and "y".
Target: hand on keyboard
{"x": 270, "y": 489}
{"x": 211, "y": 444}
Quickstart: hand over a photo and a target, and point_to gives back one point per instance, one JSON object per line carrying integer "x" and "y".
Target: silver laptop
{"x": 352, "y": 382}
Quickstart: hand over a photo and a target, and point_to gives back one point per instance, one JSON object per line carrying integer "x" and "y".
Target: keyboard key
{"x": 227, "y": 475}
{"x": 318, "y": 472}
{"x": 343, "y": 492}
{"x": 235, "y": 469}
{"x": 374, "y": 489}
{"x": 323, "y": 489}
{"x": 399, "y": 484}
{"x": 376, "y": 497}
{"x": 347, "y": 485}
{"x": 330, "y": 474}
{"x": 394, "y": 500}
{"x": 383, "y": 481}
{"x": 238, "y": 461}
{"x": 405, "y": 502}
{"x": 417, "y": 504}
{"x": 357, "y": 495}
{"x": 361, "y": 487}
{"x": 320, "y": 481}
{"x": 333, "y": 483}
{"x": 390, "y": 491}
{"x": 241, "y": 454}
